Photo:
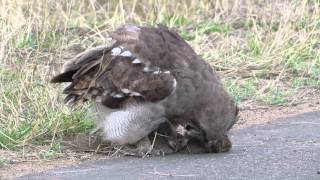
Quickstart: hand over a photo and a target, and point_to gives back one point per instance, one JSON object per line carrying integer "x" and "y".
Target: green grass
{"x": 255, "y": 45}
{"x": 276, "y": 96}
{"x": 241, "y": 91}
{"x": 30, "y": 111}
{"x": 306, "y": 82}
{"x": 268, "y": 45}
{"x": 3, "y": 161}
{"x": 52, "y": 152}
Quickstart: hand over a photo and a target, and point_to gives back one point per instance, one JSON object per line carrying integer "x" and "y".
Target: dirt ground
{"x": 250, "y": 114}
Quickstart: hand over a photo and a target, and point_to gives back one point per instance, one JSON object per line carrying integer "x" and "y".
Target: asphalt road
{"x": 286, "y": 149}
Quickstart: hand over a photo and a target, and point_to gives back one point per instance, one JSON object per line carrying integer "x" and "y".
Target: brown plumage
{"x": 156, "y": 70}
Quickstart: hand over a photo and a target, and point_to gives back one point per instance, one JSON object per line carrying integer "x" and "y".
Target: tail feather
{"x": 64, "y": 77}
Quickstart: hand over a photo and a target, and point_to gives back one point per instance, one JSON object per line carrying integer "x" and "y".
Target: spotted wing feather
{"x": 111, "y": 75}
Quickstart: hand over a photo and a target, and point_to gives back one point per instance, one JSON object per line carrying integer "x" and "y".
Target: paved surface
{"x": 287, "y": 149}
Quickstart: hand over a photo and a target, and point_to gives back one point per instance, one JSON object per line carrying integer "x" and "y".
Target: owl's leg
{"x": 181, "y": 134}
{"x": 142, "y": 148}
{"x": 176, "y": 138}
{"x": 219, "y": 145}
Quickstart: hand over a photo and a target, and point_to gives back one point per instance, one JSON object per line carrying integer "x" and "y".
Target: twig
{"x": 155, "y": 172}
{"x": 152, "y": 145}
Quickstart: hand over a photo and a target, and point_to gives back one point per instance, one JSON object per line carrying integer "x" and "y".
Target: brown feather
{"x": 169, "y": 73}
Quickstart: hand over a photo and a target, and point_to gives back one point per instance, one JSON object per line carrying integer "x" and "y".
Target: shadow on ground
{"x": 285, "y": 149}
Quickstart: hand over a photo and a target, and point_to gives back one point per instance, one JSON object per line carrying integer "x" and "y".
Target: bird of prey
{"x": 147, "y": 77}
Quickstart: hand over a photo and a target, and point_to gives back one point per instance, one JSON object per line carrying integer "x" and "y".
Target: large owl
{"x": 149, "y": 76}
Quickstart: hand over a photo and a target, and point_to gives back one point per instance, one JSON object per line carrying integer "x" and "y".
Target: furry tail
{"x": 133, "y": 123}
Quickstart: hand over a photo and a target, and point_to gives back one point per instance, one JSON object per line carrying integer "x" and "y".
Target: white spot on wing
{"x": 167, "y": 72}
{"x": 126, "y": 91}
{"x": 119, "y": 96}
{"x": 116, "y": 51}
{"x": 137, "y": 61}
{"x": 135, "y": 94}
{"x": 174, "y": 83}
{"x": 116, "y": 95}
{"x": 126, "y": 54}
{"x": 146, "y": 69}
{"x": 158, "y": 71}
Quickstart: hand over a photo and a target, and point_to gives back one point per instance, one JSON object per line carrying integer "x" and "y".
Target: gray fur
{"x": 133, "y": 123}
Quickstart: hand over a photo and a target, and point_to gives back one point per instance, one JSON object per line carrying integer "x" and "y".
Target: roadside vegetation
{"x": 267, "y": 52}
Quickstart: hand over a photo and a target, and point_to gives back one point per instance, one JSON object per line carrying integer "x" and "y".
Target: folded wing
{"x": 118, "y": 74}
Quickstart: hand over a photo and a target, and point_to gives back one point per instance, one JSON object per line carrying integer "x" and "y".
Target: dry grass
{"x": 266, "y": 51}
